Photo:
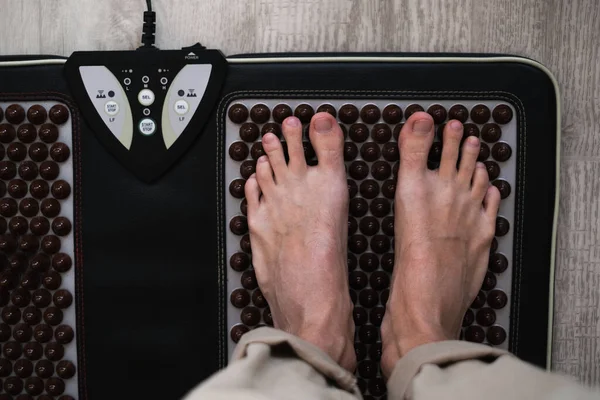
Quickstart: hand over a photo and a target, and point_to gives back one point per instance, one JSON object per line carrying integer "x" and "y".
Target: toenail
{"x": 480, "y": 165}
{"x": 269, "y": 138}
{"x": 473, "y": 141}
{"x": 262, "y": 159}
{"x": 323, "y": 125}
{"x": 292, "y": 121}
{"x": 423, "y": 126}
{"x": 455, "y": 125}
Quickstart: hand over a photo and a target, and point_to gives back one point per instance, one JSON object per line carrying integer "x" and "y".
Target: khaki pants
{"x": 271, "y": 364}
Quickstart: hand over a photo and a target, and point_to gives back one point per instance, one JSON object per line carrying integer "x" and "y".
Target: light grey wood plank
{"x": 15, "y": 36}
{"x": 576, "y": 348}
{"x": 435, "y": 26}
{"x": 510, "y": 27}
{"x": 573, "y": 50}
{"x": 564, "y": 35}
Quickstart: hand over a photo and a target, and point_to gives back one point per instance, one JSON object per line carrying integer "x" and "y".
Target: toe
{"x": 264, "y": 175}
{"x": 453, "y": 133}
{"x": 481, "y": 182}
{"x": 292, "y": 131}
{"x": 491, "y": 202}
{"x": 468, "y": 160}
{"x": 328, "y": 140}
{"x": 274, "y": 150}
{"x": 415, "y": 141}
{"x": 252, "y": 191}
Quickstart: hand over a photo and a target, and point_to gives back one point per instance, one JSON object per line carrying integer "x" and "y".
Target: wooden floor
{"x": 563, "y": 35}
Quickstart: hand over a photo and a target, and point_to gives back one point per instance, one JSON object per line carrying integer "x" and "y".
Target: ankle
{"x": 408, "y": 342}
{"x": 412, "y": 331}
{"x": 397, "y": 346}
{"x": 339, "y": 347}
{"x": 335, "y": 339}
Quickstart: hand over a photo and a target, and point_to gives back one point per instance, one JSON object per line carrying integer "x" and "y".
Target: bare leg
{"x": 444, "y": 225}
{"x": 298, "y": 228}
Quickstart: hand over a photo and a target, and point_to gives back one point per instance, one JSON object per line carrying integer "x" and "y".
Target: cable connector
{"x": 148, "y": 30}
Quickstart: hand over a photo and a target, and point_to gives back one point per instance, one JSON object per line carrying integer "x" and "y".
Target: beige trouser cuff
{"x": 269, "y": 364}
{"x": 305, "y": 351}
{"x": 439, "y": 353}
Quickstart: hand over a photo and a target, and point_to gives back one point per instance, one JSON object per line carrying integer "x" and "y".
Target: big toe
{"x": 415, "y": 141}
{"x": 328, "y": 140}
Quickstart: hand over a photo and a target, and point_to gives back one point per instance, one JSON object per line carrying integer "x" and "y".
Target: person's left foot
{"x": 297, "y": 217}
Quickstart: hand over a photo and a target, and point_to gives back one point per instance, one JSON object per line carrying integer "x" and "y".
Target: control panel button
{"x": 164, "y": 80}
{"x": 110, "y": 101}
{"x": 182, "y": 107}
{"x": 127, "y": 81}
{"x": 146, "y": 111}
{"x": 147, "y": 126}
{"x": 189, "y": 86}
{"x": 146, "y": 97}
{"x": 145, "y": 79}
{"x": 111, "y": 108}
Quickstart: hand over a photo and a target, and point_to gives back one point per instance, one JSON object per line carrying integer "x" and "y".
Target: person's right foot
{"x": 297, "y": 217}
{"x": 444, "y": 225}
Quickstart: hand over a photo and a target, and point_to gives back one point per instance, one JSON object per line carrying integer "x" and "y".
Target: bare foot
{"x": 298, "y": 228}
{"x": 444, "y": 225}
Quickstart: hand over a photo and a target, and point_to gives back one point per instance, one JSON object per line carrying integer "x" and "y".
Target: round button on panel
{"x": 111, "y": 108}
{"x": 164, "y": 80}
{"x": 182, "y": 107}
{"x": 145, "y": 79}
{"x": 146, "y": 97}
{"x": 127, "y": 81}
{"x": 146, "y": 111}
{"x": 147, "y": 127}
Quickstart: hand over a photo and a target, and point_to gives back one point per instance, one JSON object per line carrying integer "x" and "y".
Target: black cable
{"x": 149, "y": 27}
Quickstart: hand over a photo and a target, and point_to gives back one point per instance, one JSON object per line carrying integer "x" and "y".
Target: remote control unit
{"x": 147, "y": 107}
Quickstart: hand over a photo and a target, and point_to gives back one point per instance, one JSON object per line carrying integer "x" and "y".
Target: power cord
{"x": 149, "y": 28}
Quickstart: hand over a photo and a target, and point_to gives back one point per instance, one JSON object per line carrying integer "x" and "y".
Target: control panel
{"x": 148, "y": 106}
